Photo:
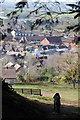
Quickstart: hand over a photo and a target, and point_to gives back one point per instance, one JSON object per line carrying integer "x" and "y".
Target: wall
{"x": 10, "y": 81}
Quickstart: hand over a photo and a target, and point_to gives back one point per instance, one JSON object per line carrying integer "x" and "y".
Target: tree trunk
{"x": 74, "y": 84}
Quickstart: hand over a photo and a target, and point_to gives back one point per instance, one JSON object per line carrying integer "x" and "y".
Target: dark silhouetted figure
{"x": 57, "y": 102}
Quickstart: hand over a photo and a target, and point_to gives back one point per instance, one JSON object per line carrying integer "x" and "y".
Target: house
{"x": 45, "y": 39}
{"x": 9, "y": 75}
{"x": 56, "y": 40}
{"x": 34, "y": 39}
{"x": 9, "y": 65}
{"x": 67, "y": 41}
{"x": 17, "y": 67}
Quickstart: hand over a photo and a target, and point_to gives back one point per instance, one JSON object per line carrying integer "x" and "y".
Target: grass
{"x": 67, "y": 92}
{"x": 68, "y": 15}
{"x": 37, "y": 97}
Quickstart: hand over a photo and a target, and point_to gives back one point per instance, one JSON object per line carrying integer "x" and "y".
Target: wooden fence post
{"x": 22, "y": 90}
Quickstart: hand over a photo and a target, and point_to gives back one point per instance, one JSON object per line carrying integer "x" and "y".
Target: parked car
{"x": 49, "y": 50}
{"x": 61, "y": 48}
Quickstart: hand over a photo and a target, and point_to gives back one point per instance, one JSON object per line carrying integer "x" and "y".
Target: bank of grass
{"x": 67, "y": 92}
{"x": 36, "y": 97}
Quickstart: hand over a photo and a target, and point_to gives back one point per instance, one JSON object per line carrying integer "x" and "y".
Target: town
{"x": 39, "y": 59}
{"x": 17, "y": 47}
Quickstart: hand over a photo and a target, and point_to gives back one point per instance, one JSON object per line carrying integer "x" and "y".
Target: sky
{"x": 58, "y": 0}
{"x": 43, "y": 0}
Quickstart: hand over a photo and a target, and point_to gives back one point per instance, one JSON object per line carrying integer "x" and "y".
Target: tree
{"x": 75, "y": 8}
{"x": 72, "y": 74}
{"x": 20, "y": 78}
{"x": 43, "y": 13}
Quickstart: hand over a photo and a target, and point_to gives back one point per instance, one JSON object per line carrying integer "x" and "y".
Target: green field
{"x": 68, "y": 94}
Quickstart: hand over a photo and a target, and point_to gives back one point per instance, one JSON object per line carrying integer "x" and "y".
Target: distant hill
{"x": 11, "y": 4}
{"x": 64, "y": 19}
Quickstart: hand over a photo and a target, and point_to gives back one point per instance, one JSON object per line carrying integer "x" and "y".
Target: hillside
{"x": 16, "y": 107}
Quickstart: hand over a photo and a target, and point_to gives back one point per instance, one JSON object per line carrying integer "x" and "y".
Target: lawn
{"x": 68, "y": 94}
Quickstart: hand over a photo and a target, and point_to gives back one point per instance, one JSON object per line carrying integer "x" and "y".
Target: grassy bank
{"x": 68, "y": 93}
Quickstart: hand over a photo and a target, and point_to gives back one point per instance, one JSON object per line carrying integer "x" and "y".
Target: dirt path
{"x": 66, "y": 112}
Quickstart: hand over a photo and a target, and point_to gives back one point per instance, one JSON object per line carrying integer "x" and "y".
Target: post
{"x": 31, "y": 91}
{"x": 40, "y": 92}
{"x": 22, "y": 90}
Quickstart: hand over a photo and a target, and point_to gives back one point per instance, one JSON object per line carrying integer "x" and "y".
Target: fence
{"x": 29, "y": 91}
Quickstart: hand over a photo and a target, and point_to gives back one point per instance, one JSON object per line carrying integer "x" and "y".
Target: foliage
{"x": 20, "y": 63}
{"x": 63, "y": 79}
{"x": 27, "y": 77}
{"x": 3, "y": 35}
{"x": 63, "y": 68}
{"x": 75, "y": 8}
{"x": 41, "y": 12}
{"x": 20, "y": 78}
{"x": 6, "y": 87}
{"x": 72, "y": 73}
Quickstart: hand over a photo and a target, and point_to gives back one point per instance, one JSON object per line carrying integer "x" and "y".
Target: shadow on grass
{"x": 16, "y": 107}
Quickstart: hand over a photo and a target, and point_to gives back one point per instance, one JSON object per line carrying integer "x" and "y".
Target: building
{"x": 56, "y": 40}
{"x": 44, "y": 39}
{"x": 9, "y": 75}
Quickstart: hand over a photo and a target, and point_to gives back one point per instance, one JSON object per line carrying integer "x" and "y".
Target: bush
{"x": 20, "y": 63}
{"x": 63, "y": 79}
{"x": 42, "y": 78}
{"x": 20, "y": 78}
